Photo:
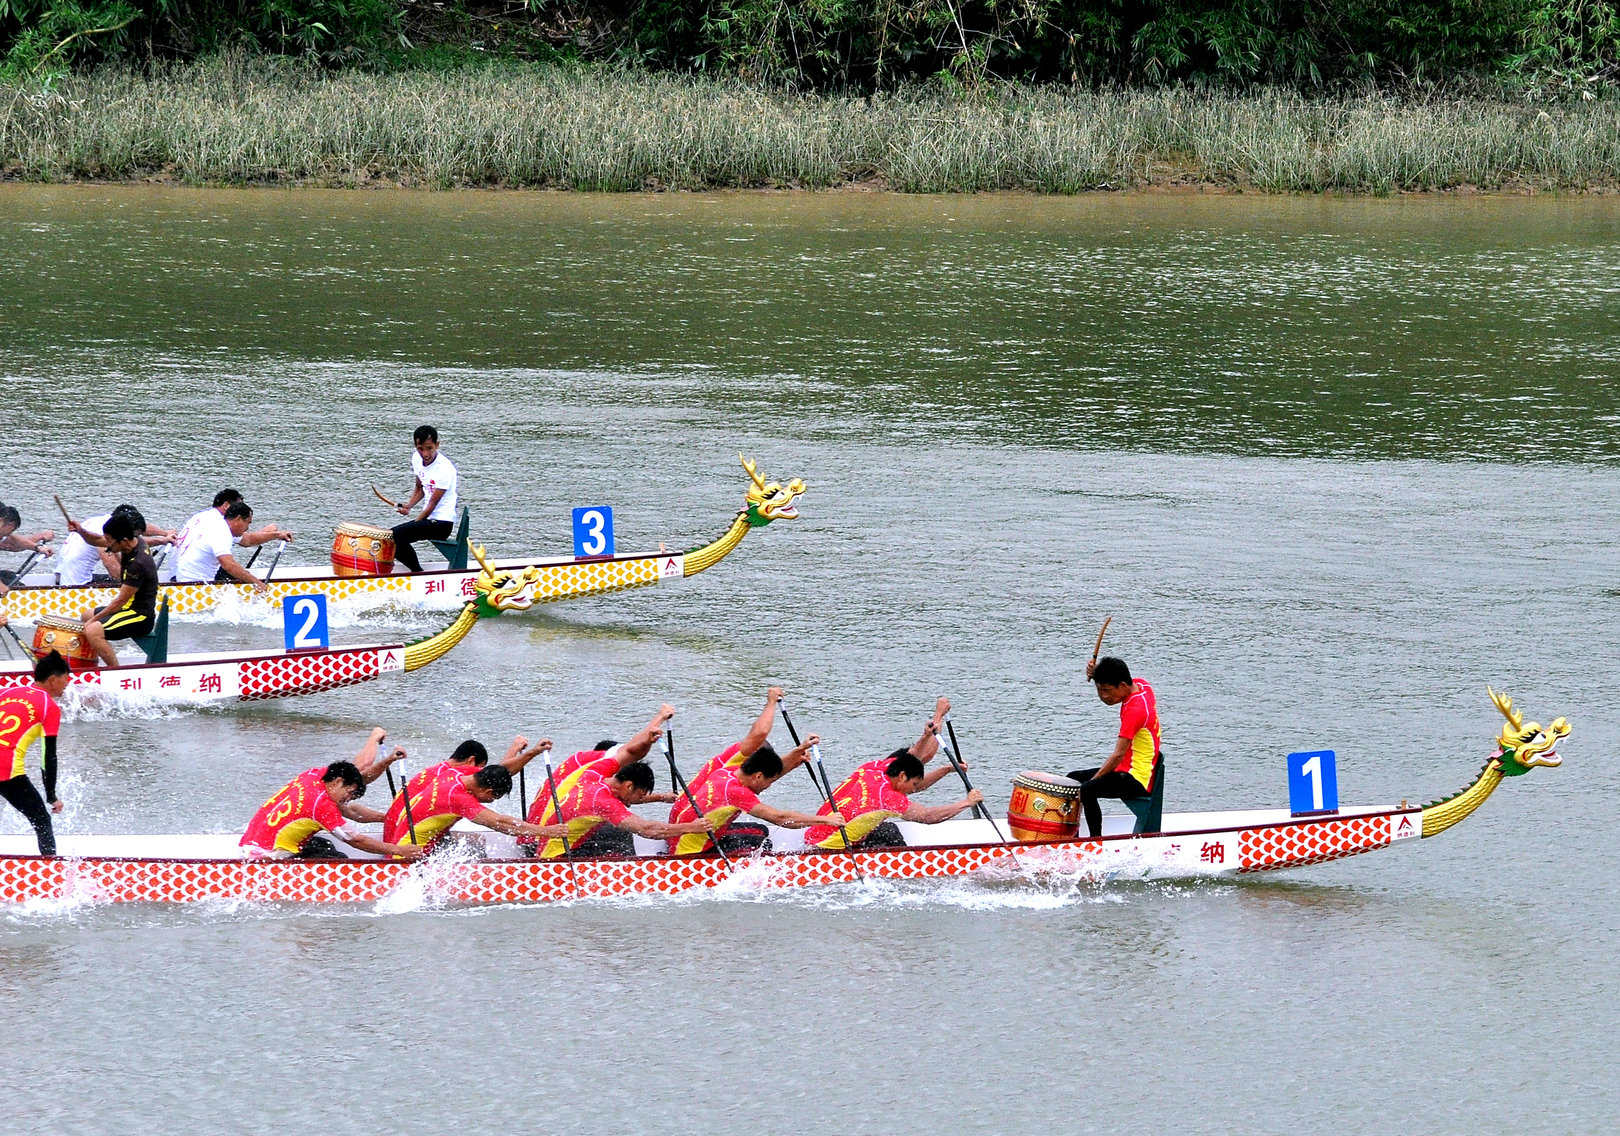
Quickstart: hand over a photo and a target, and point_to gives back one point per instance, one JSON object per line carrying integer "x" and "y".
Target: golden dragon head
{"x": 1526, "y": 745}
{"x": 770, "y": 501}
{"x": 503, "y": 589}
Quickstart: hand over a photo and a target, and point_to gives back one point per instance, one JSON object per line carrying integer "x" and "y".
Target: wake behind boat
{"x": 485, "y": 868}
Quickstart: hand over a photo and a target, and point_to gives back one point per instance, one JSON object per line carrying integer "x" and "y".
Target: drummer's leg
{"x": 96, "y": 636}
{"x": 1118, "y": 786}
{"x": 411, "y": 531}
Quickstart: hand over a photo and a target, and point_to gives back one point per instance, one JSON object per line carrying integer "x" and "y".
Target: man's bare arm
{"x": 760, "y": 732}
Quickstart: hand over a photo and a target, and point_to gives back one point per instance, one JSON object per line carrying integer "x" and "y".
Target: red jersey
{"x": 720, "y": 795}
{"x": 26, "y": 714}
{"x": 588, "y": 805}
{"x": 867, "y": 800}
{"x": 567, "y": 774}
{"x": 1139, "y": 721}
{"x": 438, "y": 800}
{"x": 293, "y": 815}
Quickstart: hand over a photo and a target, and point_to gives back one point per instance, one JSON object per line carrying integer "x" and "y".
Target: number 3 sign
{"x": 303, "y": 621}
{"x": 593, "y": 531}
{"x": 1313, "y": 782}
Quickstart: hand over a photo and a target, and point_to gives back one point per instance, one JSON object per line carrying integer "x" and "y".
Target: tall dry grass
{"x": 245, "y": 120}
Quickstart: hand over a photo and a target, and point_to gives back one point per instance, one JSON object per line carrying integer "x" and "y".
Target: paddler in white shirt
{"x": 436, "y": 484}
{"x": 84, "y": 558}
{"x": 202, "y": 552}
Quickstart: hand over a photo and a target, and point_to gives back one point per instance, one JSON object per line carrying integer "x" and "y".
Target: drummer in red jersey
{"x": 29, "y": 714}
{"x": 288, "y": 823}
{"x": 608, "y": 759}
{"x": 870, "y": 797}
{"x": 1131, "y": 768}
{"x": 450, "y": 794}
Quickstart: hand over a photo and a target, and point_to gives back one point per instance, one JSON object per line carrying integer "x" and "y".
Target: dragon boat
{"x": 557, "y": 578}
{"x": 485, "y": 868}
{"x": 198, "y": 679}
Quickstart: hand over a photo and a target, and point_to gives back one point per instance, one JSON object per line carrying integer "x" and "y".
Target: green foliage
{"x": 1569, "y": 46}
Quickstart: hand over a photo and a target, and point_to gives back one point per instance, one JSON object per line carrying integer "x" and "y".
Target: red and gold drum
{"x": 66, "y": 637}
{"x": 362, "y": 550}
{"x": 1044, "y": 807}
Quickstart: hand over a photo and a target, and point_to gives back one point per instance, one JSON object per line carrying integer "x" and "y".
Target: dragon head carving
{"x": 768, "y": 500}
{"x": 1526, "y": 745}
{"x": 503, "y": 589}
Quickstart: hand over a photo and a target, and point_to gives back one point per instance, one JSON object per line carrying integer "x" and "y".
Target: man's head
{"x": 343, "y": 782}
{"x": 490, "y": 783}
{"x": 52, "y": 672}
{"x": 134, "y": 515}
{"x": 633, "y": 783}
{"x": 1113, "y": 679}
{"x": 226, "y": 497}
{"x": 10, "y": 518}
{"x": 238, "y": 515}
{"x": 906, "y": 773}
{"x": 604, "y": 745}
{"x": 427, "y": 443}
{"x": 470, "y": 752}
{"x": 761, "y": 769}
{"x": 120, "y": 533}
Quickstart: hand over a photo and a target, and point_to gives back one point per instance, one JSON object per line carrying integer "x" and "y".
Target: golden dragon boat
{"x": 483, "y": 867}
{"x": 557, "y": 578}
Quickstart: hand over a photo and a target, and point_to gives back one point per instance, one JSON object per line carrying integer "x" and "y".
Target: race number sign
{"x": 593, "y": 531}
{"x": 303, "y": 620}
{"x": 1313, "y": 782}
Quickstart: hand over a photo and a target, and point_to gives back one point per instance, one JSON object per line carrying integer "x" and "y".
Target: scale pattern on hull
{"x": 283, "y": 675}
{"x": 1296, "y": 845}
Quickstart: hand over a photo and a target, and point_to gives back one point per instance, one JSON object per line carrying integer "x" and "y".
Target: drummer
{"x": 202, "y": 553}
{"x": 436, "y": 484}
{"x": 1130, "y": 770}
{"x": 871, "y": 799}
{"x": 132, "y": 612}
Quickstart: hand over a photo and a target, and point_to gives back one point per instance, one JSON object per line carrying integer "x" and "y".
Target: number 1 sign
{"x": 303, "y": 621}
{"x": 1313, "y": 782}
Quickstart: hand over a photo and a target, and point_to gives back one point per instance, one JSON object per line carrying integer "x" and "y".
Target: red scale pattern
{"x": 1295, "y": 845}
{"x": 284, "y": 675}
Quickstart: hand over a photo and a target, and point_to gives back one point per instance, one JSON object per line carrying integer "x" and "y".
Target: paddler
{"x": 27, "y": 714}
{"x": 132, "y": 612}
{"x": 436, "y": 483}
{"x": 608, "y": 759}
{"x": 288, "y": 823}
{"x": 468, "y": 757}
{"x": 13, "y": 541}
{"x": 871, "y": 798}
{"x": 451, "y": 795}
{"x": 923, "y": 749}
{"x": 202, "y": 551}
{"x": 85, "y": 557}
{"x": 1130, "y": 769}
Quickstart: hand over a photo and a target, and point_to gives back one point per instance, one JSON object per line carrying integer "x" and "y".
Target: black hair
{"x": 348, "y": 773}
{"x": 471, "y": 750}
{"x": 903, "y": 751}
{"x": 50, "y": 665}
{"x": 496, "y": 778}
{"x": 425, "y": 434}
{"x": 227, "y": 497}
{"x": 764, "y": 760}
{"x": 1111, "y": 672}
{"x": 239, "y": 509}
{"x": 639, "y": 774}
{"x": 907, "y": 765}
{"x": 118, "y": 527}
{"x": 134, "y": 515}
{"x": 605, "y": 744}
{"x": 10, "y": 516}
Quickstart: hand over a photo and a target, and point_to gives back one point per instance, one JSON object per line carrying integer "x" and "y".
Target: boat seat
{"x": 156, "y": 643}
{"x": 455, "y": 550}
{"x": 1149, "y": 810}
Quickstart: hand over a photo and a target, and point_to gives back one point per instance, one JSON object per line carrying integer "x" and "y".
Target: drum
{"x": 1044, "y": 807}
{"x": 66, "y": 637}
{"x": 362, "y": 550}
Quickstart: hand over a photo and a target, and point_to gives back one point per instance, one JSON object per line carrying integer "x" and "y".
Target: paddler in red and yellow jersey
{"x": 29, "y": 714}
{"x": 289, "y": 823}
{"x": 869, "y": 797}
{"x": 1131, "y": 768}
{"x": 439, "y": 801}
{"x": 607, "y": 759}
{"x": 596, "y": 812}
{"x": 726, "y": 791}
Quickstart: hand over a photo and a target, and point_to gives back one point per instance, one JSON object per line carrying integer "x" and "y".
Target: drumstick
{"x": 1097, "y": 650}
{"x": 384, "y": 500}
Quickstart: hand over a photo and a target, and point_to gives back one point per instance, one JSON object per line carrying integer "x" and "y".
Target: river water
{"x": 1332, "y": 466}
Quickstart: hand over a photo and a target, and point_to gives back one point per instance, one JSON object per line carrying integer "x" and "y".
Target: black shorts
{"x": 127, "y": 624}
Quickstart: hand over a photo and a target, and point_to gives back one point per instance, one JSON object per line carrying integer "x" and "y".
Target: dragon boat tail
{"x": 482, "y": 867}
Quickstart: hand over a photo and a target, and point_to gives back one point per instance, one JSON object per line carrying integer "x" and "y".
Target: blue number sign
{"x": 1313, "y": 782}
{"x": 593, "y": 530}
{"x": 303, "y": 621}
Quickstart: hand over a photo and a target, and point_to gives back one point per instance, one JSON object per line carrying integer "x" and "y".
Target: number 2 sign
{"x": 1313, "y": 782}
{"x": 593, "y": 531}
{"x": 303, "y": 621}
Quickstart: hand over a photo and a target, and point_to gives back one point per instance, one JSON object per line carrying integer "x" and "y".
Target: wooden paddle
{"x": 410, "y": 821}
{"x": 823, "y": 786}
{"x": 556, "y": 807}
{"x": 26, "y": 650}
{"x": 680, "y": 783}
{"x": 961, "y": 771}
{"x": 1097, "y": 650}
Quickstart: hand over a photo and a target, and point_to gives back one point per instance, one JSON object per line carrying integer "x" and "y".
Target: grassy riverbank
{"x": 235, "y": 120}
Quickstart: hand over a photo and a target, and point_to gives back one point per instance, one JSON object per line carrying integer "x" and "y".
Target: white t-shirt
{"x": 79, "y": 558}
{"x": 440, "y": 475}
{"x": 195, "y": 559}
